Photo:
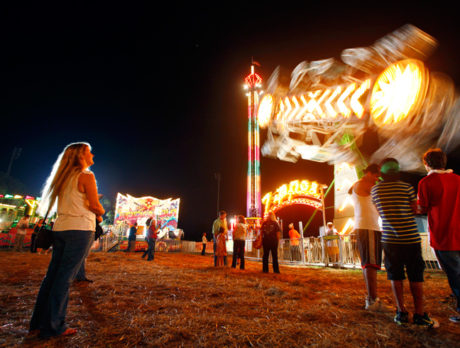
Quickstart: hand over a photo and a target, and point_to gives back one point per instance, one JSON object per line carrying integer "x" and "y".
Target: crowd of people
{"x": 72, "y": 188}
{"x": 396, "y": 203}
{"x": 380, "y": 194}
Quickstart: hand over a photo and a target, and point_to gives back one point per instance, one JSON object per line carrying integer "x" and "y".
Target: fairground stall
{"x": 13, "y": 208}
{"x": 130, "y": 210}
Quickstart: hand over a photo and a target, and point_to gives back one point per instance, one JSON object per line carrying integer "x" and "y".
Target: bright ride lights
{"x": 297, "y": 192}
{"x": 265, "y": 110}
{"x": 398, "y": 93}
{"x": 320, "y": 105}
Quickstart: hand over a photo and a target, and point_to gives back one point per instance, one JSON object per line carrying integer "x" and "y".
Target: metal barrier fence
{"x": 339, "y": 251}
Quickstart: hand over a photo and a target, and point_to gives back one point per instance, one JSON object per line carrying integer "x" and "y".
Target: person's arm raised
{"x": 87, "y": 182}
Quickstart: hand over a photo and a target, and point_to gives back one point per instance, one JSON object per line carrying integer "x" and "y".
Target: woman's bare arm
{"x": 87, "y": 185}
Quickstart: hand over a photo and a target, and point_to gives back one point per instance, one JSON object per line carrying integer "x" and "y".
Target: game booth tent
{"x": 131, "y": 209}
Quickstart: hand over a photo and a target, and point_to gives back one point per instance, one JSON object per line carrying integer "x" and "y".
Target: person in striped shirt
{"x": 396, "y": 203}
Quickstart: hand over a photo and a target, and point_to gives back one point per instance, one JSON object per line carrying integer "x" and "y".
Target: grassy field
{"x": 181, "y": 300}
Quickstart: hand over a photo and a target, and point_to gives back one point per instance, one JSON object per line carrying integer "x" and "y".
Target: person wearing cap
{"x": 439, "y": 197}
{"x": 368, "y": 232}
{"x": 396, "y": 203}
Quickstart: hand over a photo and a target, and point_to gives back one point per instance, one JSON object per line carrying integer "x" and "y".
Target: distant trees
{"x": 10, "y": 185}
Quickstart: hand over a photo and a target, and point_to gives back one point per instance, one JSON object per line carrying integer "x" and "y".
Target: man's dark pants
{"x": 203, "y": 251}
{"x": 150, "y": 249}
{"x": 238, "y": 252}
{"x": 450, "y": 263}
{"x": 270, "y": 246}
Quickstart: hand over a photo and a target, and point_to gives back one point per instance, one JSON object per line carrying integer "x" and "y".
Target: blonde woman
{"x": 73, "y": 187}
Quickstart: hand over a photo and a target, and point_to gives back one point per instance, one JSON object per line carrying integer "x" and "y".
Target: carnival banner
{"x": 130, "y": 209}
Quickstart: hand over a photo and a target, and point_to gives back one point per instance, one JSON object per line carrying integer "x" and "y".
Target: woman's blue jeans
{"x": 69, "y": 250}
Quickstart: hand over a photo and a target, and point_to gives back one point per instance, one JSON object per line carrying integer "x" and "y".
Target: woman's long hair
{"x": 68, "y": 164}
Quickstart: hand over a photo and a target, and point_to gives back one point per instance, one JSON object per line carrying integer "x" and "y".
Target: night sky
{"x": 158, "y": 92}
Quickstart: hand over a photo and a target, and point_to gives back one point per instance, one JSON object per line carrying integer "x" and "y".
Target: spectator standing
{"x": 396, "y": 203}
{"x": 204, "y": 240}
{"x": 221, "y": 248}
{"x": 33, "y": 244}
{"x": 151, "y": 237}
{"x": 271, "y": 234}
{"x": 239, "y": 240}
{"x": 221, "y": 221}
{"x": 132, "y": 237}
{"x": 332, "y": 244}
{"x": 74, "y": 188}
{"x": 368, "y": 233}
{"x": 439, "y": 197}
{"x": 21, "y": 230}
{"x": 294, "y": 240}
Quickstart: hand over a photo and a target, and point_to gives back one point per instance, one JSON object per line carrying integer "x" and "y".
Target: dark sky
{"x": 158, "y": 92}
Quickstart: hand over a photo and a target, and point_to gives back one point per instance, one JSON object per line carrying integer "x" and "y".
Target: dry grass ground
{"x": 181, "y": 300}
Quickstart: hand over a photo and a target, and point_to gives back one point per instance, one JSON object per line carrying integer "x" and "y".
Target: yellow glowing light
{"x": 330, "y": 110}
{"x": 32, "y": 203}
{"x": 398, "y": 92}
{"x": 354, "y": 103}
{"x": 325, "y": 104}
{"x": 345, "y": 203}
{"x": 296, "y": 108}
{"x": 264, "y": 113}
{"x": 346, "y": 112}
{"x": 348, "y": 227}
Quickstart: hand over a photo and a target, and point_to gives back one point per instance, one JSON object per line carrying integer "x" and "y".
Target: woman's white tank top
{"x": 366, "y": 214}
{"x": 72, "y": 209}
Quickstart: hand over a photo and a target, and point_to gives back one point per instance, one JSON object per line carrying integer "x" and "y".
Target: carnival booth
{"x": 130, "y": 210}
{"x": 12, "y": 208}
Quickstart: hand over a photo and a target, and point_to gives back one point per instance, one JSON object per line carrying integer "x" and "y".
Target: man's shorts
{"x": 370, "y": 248}
{"x": 399, "y": 255}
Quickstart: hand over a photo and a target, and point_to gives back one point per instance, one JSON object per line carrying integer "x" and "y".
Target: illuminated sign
{"x": 296, "y": 192}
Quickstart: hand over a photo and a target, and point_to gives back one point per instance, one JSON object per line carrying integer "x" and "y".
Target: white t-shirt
{"x": 73, "y": 209}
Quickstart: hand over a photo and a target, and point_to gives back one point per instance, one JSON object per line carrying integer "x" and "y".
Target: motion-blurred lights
{"x": 398, "y": 92}
{"x": 265, "y": 110}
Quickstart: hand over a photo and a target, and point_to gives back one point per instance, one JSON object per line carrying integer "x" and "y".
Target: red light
{"x": 253, "y": 79}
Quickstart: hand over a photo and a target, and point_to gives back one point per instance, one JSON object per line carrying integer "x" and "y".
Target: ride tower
{"x": 253, "y": 85}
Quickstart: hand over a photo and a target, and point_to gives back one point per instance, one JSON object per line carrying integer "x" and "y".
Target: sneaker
{"x": 423, "y": 320}
{"x": 373, "y": 305}
{"x": 401, "y": 318}
{"x": 455, "y": 319}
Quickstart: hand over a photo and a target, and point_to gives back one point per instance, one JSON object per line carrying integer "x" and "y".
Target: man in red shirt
{"x": 439, "y": 197}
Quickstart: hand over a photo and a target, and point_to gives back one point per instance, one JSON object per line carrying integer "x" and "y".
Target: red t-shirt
{"x": 439, "y": 196}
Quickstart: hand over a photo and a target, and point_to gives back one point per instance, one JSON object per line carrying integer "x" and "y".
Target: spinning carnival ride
{"x": 379, "y": 101}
